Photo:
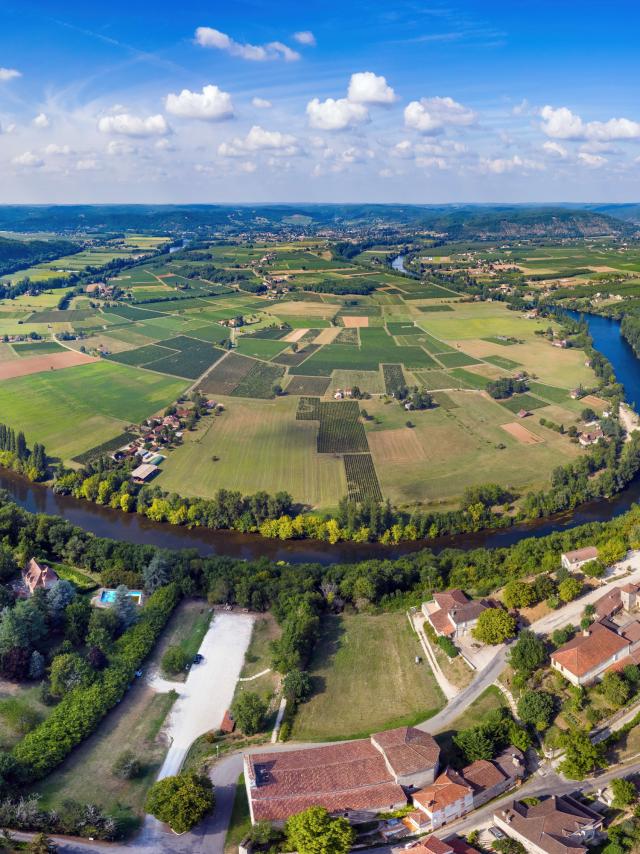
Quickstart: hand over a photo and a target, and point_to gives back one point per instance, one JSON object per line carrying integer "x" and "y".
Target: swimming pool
{"x": 109, "y": 596}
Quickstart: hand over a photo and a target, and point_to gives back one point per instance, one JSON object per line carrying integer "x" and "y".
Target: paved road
{"x": 459, "y": 704}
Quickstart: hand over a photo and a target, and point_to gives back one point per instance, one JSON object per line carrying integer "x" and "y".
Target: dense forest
{"x": 16, "y": 254}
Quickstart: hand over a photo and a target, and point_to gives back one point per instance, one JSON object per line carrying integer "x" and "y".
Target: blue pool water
{"x": 110, "y": 595}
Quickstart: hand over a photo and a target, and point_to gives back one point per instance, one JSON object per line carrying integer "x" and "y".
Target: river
{"x": 105, "y": 522}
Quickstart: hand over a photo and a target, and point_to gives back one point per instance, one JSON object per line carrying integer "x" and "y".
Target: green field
{"x": 276, "y": 453}
{"x": 75, "y": 409}
{"x": 379, "y": 342}
{"x": 365, "y": 679}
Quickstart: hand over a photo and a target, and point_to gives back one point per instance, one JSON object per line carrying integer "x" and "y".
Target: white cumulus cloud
{"x": 209, "y": 37}
{"x": 29, "y": 160}
{"x": 555, "y": 149}
{"x": 335, "y": 114}
{"x": 594, "y": 161}
{"x": 305, "y": 37}
{"x": 126, "y": 124}
{"x": 259, "y": 139}
{"x": 432, "y": 115}
{"x": 365, "y": 87}
{"x": 41, "y": 121}
{"x": 261, "y": 103}
{"x": 87, "y": 164}
{"x": 9, "y": 74}
{"x": 500, "y": 165}
{"x": 212, "y": 104}
{"x": 57, "y": 150}
{"x": 561, "y": 123}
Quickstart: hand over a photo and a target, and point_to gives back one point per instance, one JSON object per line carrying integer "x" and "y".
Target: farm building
{"x": 557, "y": 825}
{"x": 356, "y": 779}
{"x": 576, "y": 559}
{"x": 144, "y": 472}
{"x": 452, "y": 613}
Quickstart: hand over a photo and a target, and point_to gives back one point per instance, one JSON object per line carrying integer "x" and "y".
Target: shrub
{"x": 181, "y": 801}
{"x": 248, "y": 712}
{"x": 174, "y": 660}
{"x": 448, "y": 646}
{"x": 127, "y": 766}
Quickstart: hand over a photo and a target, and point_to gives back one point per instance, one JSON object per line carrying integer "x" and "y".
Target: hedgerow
{"x": 80, "y": 712}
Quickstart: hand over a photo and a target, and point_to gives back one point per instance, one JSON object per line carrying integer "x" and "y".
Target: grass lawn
{"x": 465, "y": 436}
{"x": 75, "y": 409}
{"x": 240, "y": 821}
{"x": 490, "y": 699}
{"x": 258, "y": 659}
{"x": 86, "y": 776}
{"x": 365, "y": 679}
{"x": 20, "y": 711}
{"x": 276, "y": 452}
{"x": 187, "y": 627}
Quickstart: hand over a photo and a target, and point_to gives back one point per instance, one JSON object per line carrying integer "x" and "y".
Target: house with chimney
{"x": 609, "y": 643}
{"x": 559, "y": 824}
{"x": 37, "y": 576}
{"x": 452, "y": 613}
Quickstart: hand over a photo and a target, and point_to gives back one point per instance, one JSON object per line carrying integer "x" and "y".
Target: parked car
{"x": 496, "y": 832}
{"x": 197, "y": 658}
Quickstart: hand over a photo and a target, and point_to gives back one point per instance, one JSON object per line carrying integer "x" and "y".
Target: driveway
{"x": 209, "y": 689}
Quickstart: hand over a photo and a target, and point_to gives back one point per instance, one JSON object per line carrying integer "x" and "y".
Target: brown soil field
{"x": 520, "y": 432}
{"x": 354, "y": 321}
{"x": 593, "y": 401}
{"x": 36, "y": 364}
{"x": 327, "y": 336}
{"x": 400, "y": 445}
{"x": 296, "y": 335}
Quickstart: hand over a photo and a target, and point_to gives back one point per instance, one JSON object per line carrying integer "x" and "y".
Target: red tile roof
{"x": 451, "y": 598}
{"x": 441, "y": 622}
{"x": 608, "y": 604}
{"x": 339, "y": 777}
{"x": 445, "y": 791}
{"x": 586, "y": 651}
{"x": 483, "y": 774}
{"x": 408, "y": 750}
{"x": 586, "y": 553}
{"x": 553, "y": 825}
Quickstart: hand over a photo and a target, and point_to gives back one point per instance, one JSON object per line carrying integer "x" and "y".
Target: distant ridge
{"x": 457, "y": 221}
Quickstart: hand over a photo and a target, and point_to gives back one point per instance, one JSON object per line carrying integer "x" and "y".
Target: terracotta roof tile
{"x": 446, "y": 790}
{"x": 483, "y": 774}
{"x": 586, "y": 651}
{"x": 553, "y": 825}
{"x": 348, "y": 776}
{"x": 408, "y": 750}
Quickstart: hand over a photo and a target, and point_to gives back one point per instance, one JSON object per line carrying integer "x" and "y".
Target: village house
{"x": 37, "y": 577}
{"x": 586, "y": 657}
{"x": 356, "y": 779}
{"x": 591, "y": 437}
{"x": 559, "y": 342}
{"x": 433, "y": 845}
{"x": 576, "y": 559}
{"x": 557, "y": 825}
{"x": 453, "y": 794}
{"x": 452, "y": 613}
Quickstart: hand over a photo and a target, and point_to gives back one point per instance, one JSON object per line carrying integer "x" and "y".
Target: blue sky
{"x": 349, "y": 101}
